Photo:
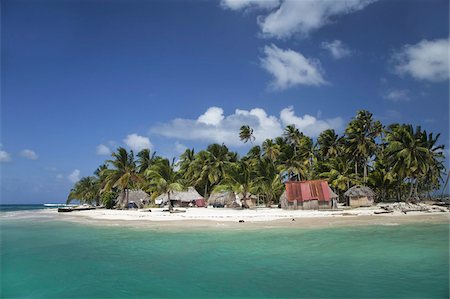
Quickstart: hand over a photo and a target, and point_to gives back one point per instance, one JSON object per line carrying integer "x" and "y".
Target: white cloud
{"x": 397, "y": 95}
{"x": 180, "y": 148}
{"x": 291, "y": 68}
{"x": 227, "y": 131}
{"x": 103, "y": 150}
{"x": 247, "y": 4}
{"x": 304, "y": 16}
{"x": 74, "y": 176}
{"x": 309, "y": 125}
{"x": 137, "y": 142}
{"x": 4, "y": 156}
{"x": 213, "y": 116}
{"x": 29, "y": 154}
{"x": 337, "y": 49}
{"x": 426, "y": 60}
{"x": 59, "y": 176}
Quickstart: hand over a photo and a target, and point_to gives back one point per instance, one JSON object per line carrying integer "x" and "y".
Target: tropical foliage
{"x": 398, "y": 161}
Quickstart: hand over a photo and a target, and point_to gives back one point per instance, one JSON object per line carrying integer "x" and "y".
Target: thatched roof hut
{"x": 136, "y": 199}
{"x": 360, "y": 196}
{"x": 223, "y": 199}
{"x": 186, "y": 197}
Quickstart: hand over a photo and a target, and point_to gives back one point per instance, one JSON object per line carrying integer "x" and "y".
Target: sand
{"x": 255, "y": 218}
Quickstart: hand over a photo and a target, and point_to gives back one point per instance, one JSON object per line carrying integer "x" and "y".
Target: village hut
{"x": 307, "y": 195}
{"x": 360, "y": 196}
{"x": 334, "y": 199}
{"x": 187, "y": 198}
{"x": 249, "y": 202}
{"x": 283, "y": 201}
{"x": 136, "y": 199}
{"x": 222, "y": 199}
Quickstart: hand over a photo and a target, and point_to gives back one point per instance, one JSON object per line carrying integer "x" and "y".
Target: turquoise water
{"x": 45, "y": 258}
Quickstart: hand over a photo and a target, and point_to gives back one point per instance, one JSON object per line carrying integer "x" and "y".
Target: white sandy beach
{"x": 253, "y": 218}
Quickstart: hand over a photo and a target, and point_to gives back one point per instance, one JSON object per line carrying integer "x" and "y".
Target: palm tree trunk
{"x": 365, "y": 171}
{"x": 411, "y": 188}
{"x": 170, "y": 203}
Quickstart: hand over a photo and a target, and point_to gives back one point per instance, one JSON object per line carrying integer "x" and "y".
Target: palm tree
{"x": 186, "y": 160}
{"x": 291, "y": 166}
{"x": 271, "y": 149}
{"x": 360, "y": 138}
{"x": 268, "y": 181}
{"x": 86, "y": 190}
{"x": 407, "y": 153}
{"x": 328, "y": 143}
{"x": 246, "y": 134}
{"x": 164, "y": 179}
{"x": 239, "y": 178}
{"x": 123, "y": 175}
{"x": 145, "y": 160}
{"x": 292, "y": 135}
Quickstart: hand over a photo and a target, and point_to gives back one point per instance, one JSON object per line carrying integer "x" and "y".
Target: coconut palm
{"x": 328, "y": 144}
{"x": 407, "y": 153}
{"x": 271, "y": 149}
{"x": 86, "y": 190}
{"x": 123, "y": 175}
{"x": 360, "y": 139}
{"x": 145, "y": 159}
{"x": 239, "y": 178}
{"x": 164, "y": 179}
{"x": 246, "y": 134}
{"x": 292, "y": 136}
{"x": 268, "y": 181}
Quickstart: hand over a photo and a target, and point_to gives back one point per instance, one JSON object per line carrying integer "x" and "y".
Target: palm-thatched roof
{"x": 359, "y": 191}
{"x": 332, "y": 194}
{"x": 222, "y": 198}
{"x": 184, "y": 196}
{"x": 139, "y": 197}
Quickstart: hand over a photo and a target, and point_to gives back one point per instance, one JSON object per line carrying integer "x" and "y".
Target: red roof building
{"x": 308, "y": 195}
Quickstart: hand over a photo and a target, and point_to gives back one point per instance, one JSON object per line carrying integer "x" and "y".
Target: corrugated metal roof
{"x": 308, "y": 190}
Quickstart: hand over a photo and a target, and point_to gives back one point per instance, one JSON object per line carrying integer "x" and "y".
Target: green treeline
{"x": 399, "y": 162}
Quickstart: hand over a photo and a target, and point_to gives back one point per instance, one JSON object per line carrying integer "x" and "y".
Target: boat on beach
{"x": 75, "y": 208}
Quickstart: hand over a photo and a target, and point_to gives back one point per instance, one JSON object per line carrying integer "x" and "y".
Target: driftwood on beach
{"x": 405, "y": 207}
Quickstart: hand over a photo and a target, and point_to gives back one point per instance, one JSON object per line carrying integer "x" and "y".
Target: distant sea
{"x": 44, "y": 257}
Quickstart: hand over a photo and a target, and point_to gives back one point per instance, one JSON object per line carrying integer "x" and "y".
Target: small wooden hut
{"x": 136, "y": 199}
{"x": 222, "y": 199}
{"x": 360, "y": 196}
{"x": 249, "y": 202}
{"x": 307, "y": 195}
{"x": 181, "y": 198}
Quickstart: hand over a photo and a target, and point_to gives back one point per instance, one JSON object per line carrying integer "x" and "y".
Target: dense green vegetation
{"x": 399, "y": 162}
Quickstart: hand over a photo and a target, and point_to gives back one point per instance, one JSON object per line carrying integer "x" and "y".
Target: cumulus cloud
{"x": 308, "y": 124}
{"x": 4, "y": 156}
{"x": 426, "y": 60}
{"x": 137, "y": 142}
{"x": 289, "y": 17}
{"x": 74, "y": 176}
{"x": 29, "y": 154}
{"x": 248, "y": 4}
{"x": 290, "y": 68}
{"x": 103, "y": 150}
{"x": 227, "y": 131}
{"x": 337, "y": 49}
{"x": 397, "y": 95}
{"x": 212, "y": 116}
{"x": 180, "y": 148}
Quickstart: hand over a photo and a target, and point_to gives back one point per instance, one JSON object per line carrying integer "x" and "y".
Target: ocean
{"x": 47, "y": 258}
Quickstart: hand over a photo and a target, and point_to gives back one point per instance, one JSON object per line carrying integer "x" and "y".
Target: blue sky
{"x": 80, "y": 78}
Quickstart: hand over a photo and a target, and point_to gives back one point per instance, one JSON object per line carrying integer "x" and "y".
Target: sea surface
{"x": 43, "y": 257}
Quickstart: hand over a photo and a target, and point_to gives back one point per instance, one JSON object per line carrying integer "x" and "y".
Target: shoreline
{"x": 202, "y": 218}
